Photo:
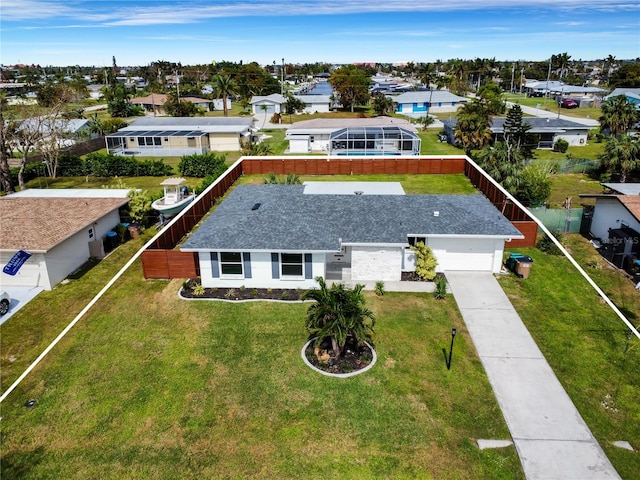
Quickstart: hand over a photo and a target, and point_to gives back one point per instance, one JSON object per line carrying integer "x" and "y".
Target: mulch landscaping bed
{"x": 355, "y": 358}
{"x": 235, "y": 294}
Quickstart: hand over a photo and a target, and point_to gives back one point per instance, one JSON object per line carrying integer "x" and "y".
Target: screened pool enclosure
{"x": 374, "y": 141}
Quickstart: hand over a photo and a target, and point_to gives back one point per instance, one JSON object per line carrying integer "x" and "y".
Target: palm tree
{"x": 224, "y": 86}
{"x": 338, "y": 313}
{"x": 618, "y": 115}
{"x": 622, "y": 154}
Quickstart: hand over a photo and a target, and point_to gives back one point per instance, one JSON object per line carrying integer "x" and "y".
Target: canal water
{"x": 320, "y": 88}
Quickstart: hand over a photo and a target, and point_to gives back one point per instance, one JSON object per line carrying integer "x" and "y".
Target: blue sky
{"x": 136, "y": 32}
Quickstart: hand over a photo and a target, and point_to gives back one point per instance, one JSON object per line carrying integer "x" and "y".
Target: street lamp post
{"x": 453, "y": 336}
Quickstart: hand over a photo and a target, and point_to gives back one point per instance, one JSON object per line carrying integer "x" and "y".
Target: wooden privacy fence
{"x": 161, "y": 261}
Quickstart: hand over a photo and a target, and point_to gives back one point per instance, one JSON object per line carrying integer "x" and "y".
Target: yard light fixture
{"x": 453, "y": 336}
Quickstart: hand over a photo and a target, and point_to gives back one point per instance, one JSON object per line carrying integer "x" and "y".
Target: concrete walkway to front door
{"x": 549, "y": 434}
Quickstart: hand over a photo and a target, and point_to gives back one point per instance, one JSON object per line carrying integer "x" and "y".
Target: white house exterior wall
{"x": 261, "y": 276}
{"x": 316, "y": 107}
{"x": 574, "y": 138}
{"x": 299, "y": 144}
{"x": 32, "y": 274}
{"x": 376, "y": 263}
{"x": 609, "y": 213}
{"x": 473, "y": 254}
{"x": 224, "y": 142}
{"x": 46, "y": 270}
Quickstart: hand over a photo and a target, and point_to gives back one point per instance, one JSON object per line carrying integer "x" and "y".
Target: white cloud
{"x": 153, "y": 12}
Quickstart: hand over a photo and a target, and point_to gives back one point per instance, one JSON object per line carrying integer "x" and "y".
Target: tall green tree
{"x": 516, "y": 133}
{"x": 338, "y": 313}
{"x": 118, "y": 104}
{"x": 618, "y": 115}
{"x": 503, "y": 164}
{"x": 181, "y": 108}
{"x": 472, "y": 130}
{"x": 224, "y": 87}
{"x": 621, "y": 156}
{"x": 383, "y": 105}
{"x": 351, "y": 85}
{"x": 628, "y": 75}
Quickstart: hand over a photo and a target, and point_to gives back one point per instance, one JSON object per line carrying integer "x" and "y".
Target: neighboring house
{"x": 417, "y": 104}
{"x": 585, "y": 96}
{"x": 268, "y": 105}
{"x": 64, "y": 132}
{"x": 612, "y": 210}
{"x": 315, "y": 103}
{"x": 615, "y": 223}
{"x": 95, "y": 91}
{"x": 60, "y": 228}
{"x": 548, "y": 130}
{"x": 284, "y": 236}
{"x": 315, "y": 135}
{"x": 154, "y": 103}
{"x": 177, "y": 136}
{"x": 632, "y": 94}
{"x": 275, "y": 103}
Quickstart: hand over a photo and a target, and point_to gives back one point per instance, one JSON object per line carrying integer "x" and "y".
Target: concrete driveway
{"x": 20, "y": 296}
{"x": 550, "y": 436}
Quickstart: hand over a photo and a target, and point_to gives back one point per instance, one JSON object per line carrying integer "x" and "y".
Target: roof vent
{"x": 256, "y": 206}
{"x": 358, "y": 192}
{"x": 436, "y": 213}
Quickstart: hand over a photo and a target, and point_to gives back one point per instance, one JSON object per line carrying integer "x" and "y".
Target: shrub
{"x": 379, "y": 288}
{"x": 198, "y": 290}
{"x": 440, "y": 292}
{"x": 139, "y": 206}
{"x": 202, "y": 165}
{"x": 285, "y": 295}
{"x": 545, "y": 244}
{"x": 425, "y": 261}
{"x": 561, "y": 145}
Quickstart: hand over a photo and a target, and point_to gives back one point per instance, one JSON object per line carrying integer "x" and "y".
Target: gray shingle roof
{"x": 538, "y": 124}
{"x": 287, "y": 219}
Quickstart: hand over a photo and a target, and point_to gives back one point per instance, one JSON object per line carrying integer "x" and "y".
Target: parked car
{"x": 5, "y": 300}
{"x": 535, "y": 94}
{"x": 569, "y": 103}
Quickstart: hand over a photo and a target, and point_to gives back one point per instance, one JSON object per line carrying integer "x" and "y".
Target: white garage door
{"x": 463, "y": 254}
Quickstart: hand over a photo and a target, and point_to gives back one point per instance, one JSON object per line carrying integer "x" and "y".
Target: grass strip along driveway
{"x": 150, "y": 386}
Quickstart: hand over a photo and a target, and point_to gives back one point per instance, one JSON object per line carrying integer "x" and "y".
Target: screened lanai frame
{"x": 155, "y": 142}
{"x": 369, "y": 141}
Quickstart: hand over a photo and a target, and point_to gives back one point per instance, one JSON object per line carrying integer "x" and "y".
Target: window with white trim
{"x": 231, "y": 264}
{"x": 291, "y": 265}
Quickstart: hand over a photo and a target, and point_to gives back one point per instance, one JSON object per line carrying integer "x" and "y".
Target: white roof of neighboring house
{"x": 624, "y": 188}
{"x": 310, "y": 99}
{"x": 73, "y": 193}
{"x": 275, "y": 98}
{"x": 328, "y": 125}
{"x": 558, "y": 86}
{"x": 203, "y": 124}
{"x": 430, "y": 96}
{"x": 626, "y": 91}
{"x": 69, "y": 126}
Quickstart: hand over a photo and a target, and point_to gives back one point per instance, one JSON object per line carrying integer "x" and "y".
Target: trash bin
{"x": 519, "y": 264}
{"x": 111, "y": 241}
{"x": 523, "y": 266}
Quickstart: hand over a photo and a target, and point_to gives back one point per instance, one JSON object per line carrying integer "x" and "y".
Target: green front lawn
{"x": 149, "y": 386}
{"x": 588, "y": 346}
